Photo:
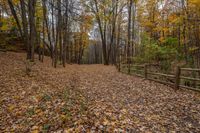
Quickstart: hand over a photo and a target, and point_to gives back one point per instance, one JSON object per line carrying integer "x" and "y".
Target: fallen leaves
{"x": 89, "y": 98}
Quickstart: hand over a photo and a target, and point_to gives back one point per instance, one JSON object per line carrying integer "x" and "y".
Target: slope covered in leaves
{"x": 85, "y": 98}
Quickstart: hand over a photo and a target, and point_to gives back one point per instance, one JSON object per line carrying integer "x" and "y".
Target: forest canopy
{"x": 106, "y": 31}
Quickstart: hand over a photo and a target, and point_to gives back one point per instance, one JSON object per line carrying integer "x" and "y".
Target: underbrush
{"x": 11, "y": 42}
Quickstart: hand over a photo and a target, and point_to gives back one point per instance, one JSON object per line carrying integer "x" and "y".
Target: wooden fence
{"x": 174, "y": 80}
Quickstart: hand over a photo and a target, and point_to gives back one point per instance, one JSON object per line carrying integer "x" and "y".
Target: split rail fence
{"x": 173, "y": 80}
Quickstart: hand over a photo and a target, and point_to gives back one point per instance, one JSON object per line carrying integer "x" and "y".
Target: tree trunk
{"x": 31, "y": 8}
{"x": 10, "y": 3}
{"x": 102, "y": 33}
{"x": 25, "y": 28}
{"x": 129, "y": 34}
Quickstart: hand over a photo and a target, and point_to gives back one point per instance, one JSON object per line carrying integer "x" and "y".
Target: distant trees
{"x": 106, "y": 14}
{"x": 172, "y": 25}
{"x": 51, "y": 22}
{"x": 136, "y": 31}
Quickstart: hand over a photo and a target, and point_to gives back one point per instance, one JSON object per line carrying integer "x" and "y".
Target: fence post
{"x": 119, "y": 67}
{"x": 145, "y": 71}
{"x": 177, "y": 78}
{"x": 119, "y": 59}
{"x": 129, "y": 68}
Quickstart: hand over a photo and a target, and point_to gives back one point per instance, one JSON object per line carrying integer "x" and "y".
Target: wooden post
{"x": 145, "y": 71}
{"x": 198, "y": 75}
{"x": 194, "y": 76}
{"x": 177, "y": 78}
{"x": 119, "y": 67}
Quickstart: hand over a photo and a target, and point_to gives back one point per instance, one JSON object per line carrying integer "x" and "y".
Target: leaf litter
{"x": 89, "y": 98}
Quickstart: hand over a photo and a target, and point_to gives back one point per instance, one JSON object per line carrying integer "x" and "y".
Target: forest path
{"x": 89, "y": 98}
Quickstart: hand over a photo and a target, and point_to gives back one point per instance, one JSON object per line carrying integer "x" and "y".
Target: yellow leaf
{"x": 124, "y": 111}
{"x": 35, "y": 131}
{"x": 11, "y": 108}
{"x": 106, "y": 122}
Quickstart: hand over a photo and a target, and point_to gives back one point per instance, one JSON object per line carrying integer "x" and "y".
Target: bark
{"x": 60, "y": 30}
{"x": 25, "y": 28}
{"x": 133, "y": 29}
{"x": 66, "y": 37}
{"x": 102, "y": 33}
{"x": 12, "y": 8}
{"x": 46, "y": 23}
{"x": 129, "y": 34}
{"x": 32, "y": 38}
{"x": 113, "y": 22}
{"x": 43, "y": 40}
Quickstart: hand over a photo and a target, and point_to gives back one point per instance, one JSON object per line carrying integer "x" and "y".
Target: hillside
{"x": 10, "y": 42}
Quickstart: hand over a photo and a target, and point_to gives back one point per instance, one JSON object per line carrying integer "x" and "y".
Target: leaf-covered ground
{"x": 89, "y": 98}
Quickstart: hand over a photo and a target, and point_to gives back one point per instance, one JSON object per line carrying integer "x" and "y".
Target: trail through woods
{"x": 86, "y": 98}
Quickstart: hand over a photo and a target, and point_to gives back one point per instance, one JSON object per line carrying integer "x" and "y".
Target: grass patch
{"x": 46, "y": 128}
{"x": 46, "y": 97}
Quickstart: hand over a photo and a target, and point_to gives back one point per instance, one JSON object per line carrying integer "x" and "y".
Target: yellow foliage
{"x": 195, "y": 2}
{"x": 192, "y": 49}
{"x": 4, "y": 27}
{"x": 173, "y": 18}
{"x": 7, "y": 23}
{"x": 157, "y": 29}
{"x": 16, "y": 2}
{"x": 148, "y": 24}
{"x": 162, "y": 39}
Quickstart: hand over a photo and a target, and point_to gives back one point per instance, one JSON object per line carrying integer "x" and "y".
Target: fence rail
{"x": 175, "y": 79}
